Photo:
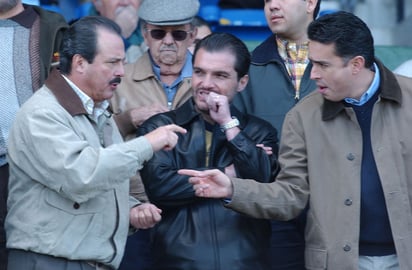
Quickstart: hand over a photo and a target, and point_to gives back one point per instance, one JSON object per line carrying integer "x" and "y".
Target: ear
{"x": 357, "y": 64}
{"x": 311, "y": 5}
{"x": 144, "y": 35}
{"x": 242, "y": 83}
{"x": 79, "y": 64}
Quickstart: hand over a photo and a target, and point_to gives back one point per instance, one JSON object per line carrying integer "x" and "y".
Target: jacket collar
{"x": 25, "y": 18}
{"x": 266, "y": 52}
{"x": 388, "y": 87}
{"x": 142, "y": 68}
{"x": 64, "y": 94}
{"x": 187, "y": 112}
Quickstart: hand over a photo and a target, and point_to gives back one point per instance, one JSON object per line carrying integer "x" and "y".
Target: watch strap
{"x": 231, "y": 124}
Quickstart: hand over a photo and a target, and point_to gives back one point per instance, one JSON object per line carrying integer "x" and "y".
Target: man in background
{"x": 124, "y": 13}
{"x": 203, "y": 30}
{"x": 30, "y": 40}
{"x": 279, "y": 78}
{"x": 158, "y": 81}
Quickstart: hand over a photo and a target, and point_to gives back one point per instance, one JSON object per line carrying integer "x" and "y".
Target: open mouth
{"x": 322, "y": 89}
{"x": 115, "y": 82}
{"x": 203, "y": 93}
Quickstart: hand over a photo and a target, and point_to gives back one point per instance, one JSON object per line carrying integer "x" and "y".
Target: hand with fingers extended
{"x": 209, "y": 183}
{"x": 145, "y": 216}
{"x": 164, "y": 137}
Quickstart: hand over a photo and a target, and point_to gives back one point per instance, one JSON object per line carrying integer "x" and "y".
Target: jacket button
{"x": 348, "y": 202}
{"x": 346, "y": 248}
{"x": 350, "y": 156}
{"x": 241, "y": 142}
{"x": 76, "y": 205}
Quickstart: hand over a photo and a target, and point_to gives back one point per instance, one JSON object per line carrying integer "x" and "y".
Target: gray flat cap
{"x": 168, "y": 12}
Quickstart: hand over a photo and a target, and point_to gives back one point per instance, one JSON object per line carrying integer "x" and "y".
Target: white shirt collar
{"x": 93, "y": 109}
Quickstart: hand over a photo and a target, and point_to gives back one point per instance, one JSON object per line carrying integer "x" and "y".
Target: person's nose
{"x": 124, "y": 2}
{"x": 273, "y": 4}
{"x": 120, "y": 70}
{"x": 314, "y": 73}
{"x": 168, "y": 38}
{"x": 207, "y": 82}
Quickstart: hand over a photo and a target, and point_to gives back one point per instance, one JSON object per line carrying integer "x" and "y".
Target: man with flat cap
{"x": 158, "y": 81}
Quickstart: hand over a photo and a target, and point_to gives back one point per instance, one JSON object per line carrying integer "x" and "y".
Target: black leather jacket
{"x": 197, "y": 233}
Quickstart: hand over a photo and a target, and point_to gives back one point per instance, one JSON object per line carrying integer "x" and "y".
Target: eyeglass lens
{"x": 177, "y": 35}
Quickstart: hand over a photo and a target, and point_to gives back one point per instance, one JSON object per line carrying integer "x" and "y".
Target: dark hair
{"x": 199, "y": 21}
{"x": 81, "y": 38}
{"x": 217, "y": 42}
{"x": 350, "y": 35}
{"x": 316, "y": 11}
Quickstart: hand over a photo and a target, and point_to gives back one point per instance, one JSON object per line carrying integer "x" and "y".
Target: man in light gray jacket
{"x": 69, "y": 203}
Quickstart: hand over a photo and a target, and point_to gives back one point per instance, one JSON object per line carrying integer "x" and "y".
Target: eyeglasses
{"x": 178, "y": 35}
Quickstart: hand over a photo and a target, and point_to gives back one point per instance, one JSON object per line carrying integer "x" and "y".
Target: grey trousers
{"x": 20, "y": 259}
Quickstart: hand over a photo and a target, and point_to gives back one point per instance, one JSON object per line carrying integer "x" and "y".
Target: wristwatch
{"x": 231, "y": 124}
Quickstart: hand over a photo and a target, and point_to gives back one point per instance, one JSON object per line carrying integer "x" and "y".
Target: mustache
{"x": 115, "y": 80}
{"x": 168, "y": 48}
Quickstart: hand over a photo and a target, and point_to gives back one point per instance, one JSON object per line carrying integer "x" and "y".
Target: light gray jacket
{"x": 69, "y": 178}
{"x": 320, "y": 155}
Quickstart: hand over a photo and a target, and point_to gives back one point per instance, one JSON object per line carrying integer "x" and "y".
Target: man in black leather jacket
{"x": 198, "y": 233}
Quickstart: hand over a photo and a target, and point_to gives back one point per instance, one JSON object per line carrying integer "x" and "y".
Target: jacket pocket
{"x": 92, "y": 206}
{"x": 315, "y": 258}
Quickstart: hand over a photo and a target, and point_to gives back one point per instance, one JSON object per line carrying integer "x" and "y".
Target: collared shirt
{"x": 296, "y": 60}
{"x": 171, "y": 90}
{"x": 95, "y": 110}
{"x": 371, "y": 90}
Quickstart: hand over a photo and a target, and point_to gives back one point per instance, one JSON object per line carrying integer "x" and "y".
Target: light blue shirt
{"x": 370, "y": 92}
{"x": 171, "y": 90}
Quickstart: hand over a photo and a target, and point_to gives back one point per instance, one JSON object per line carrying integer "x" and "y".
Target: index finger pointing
{"x": 188, "y": 172}
{"x": 176, "y": 128}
